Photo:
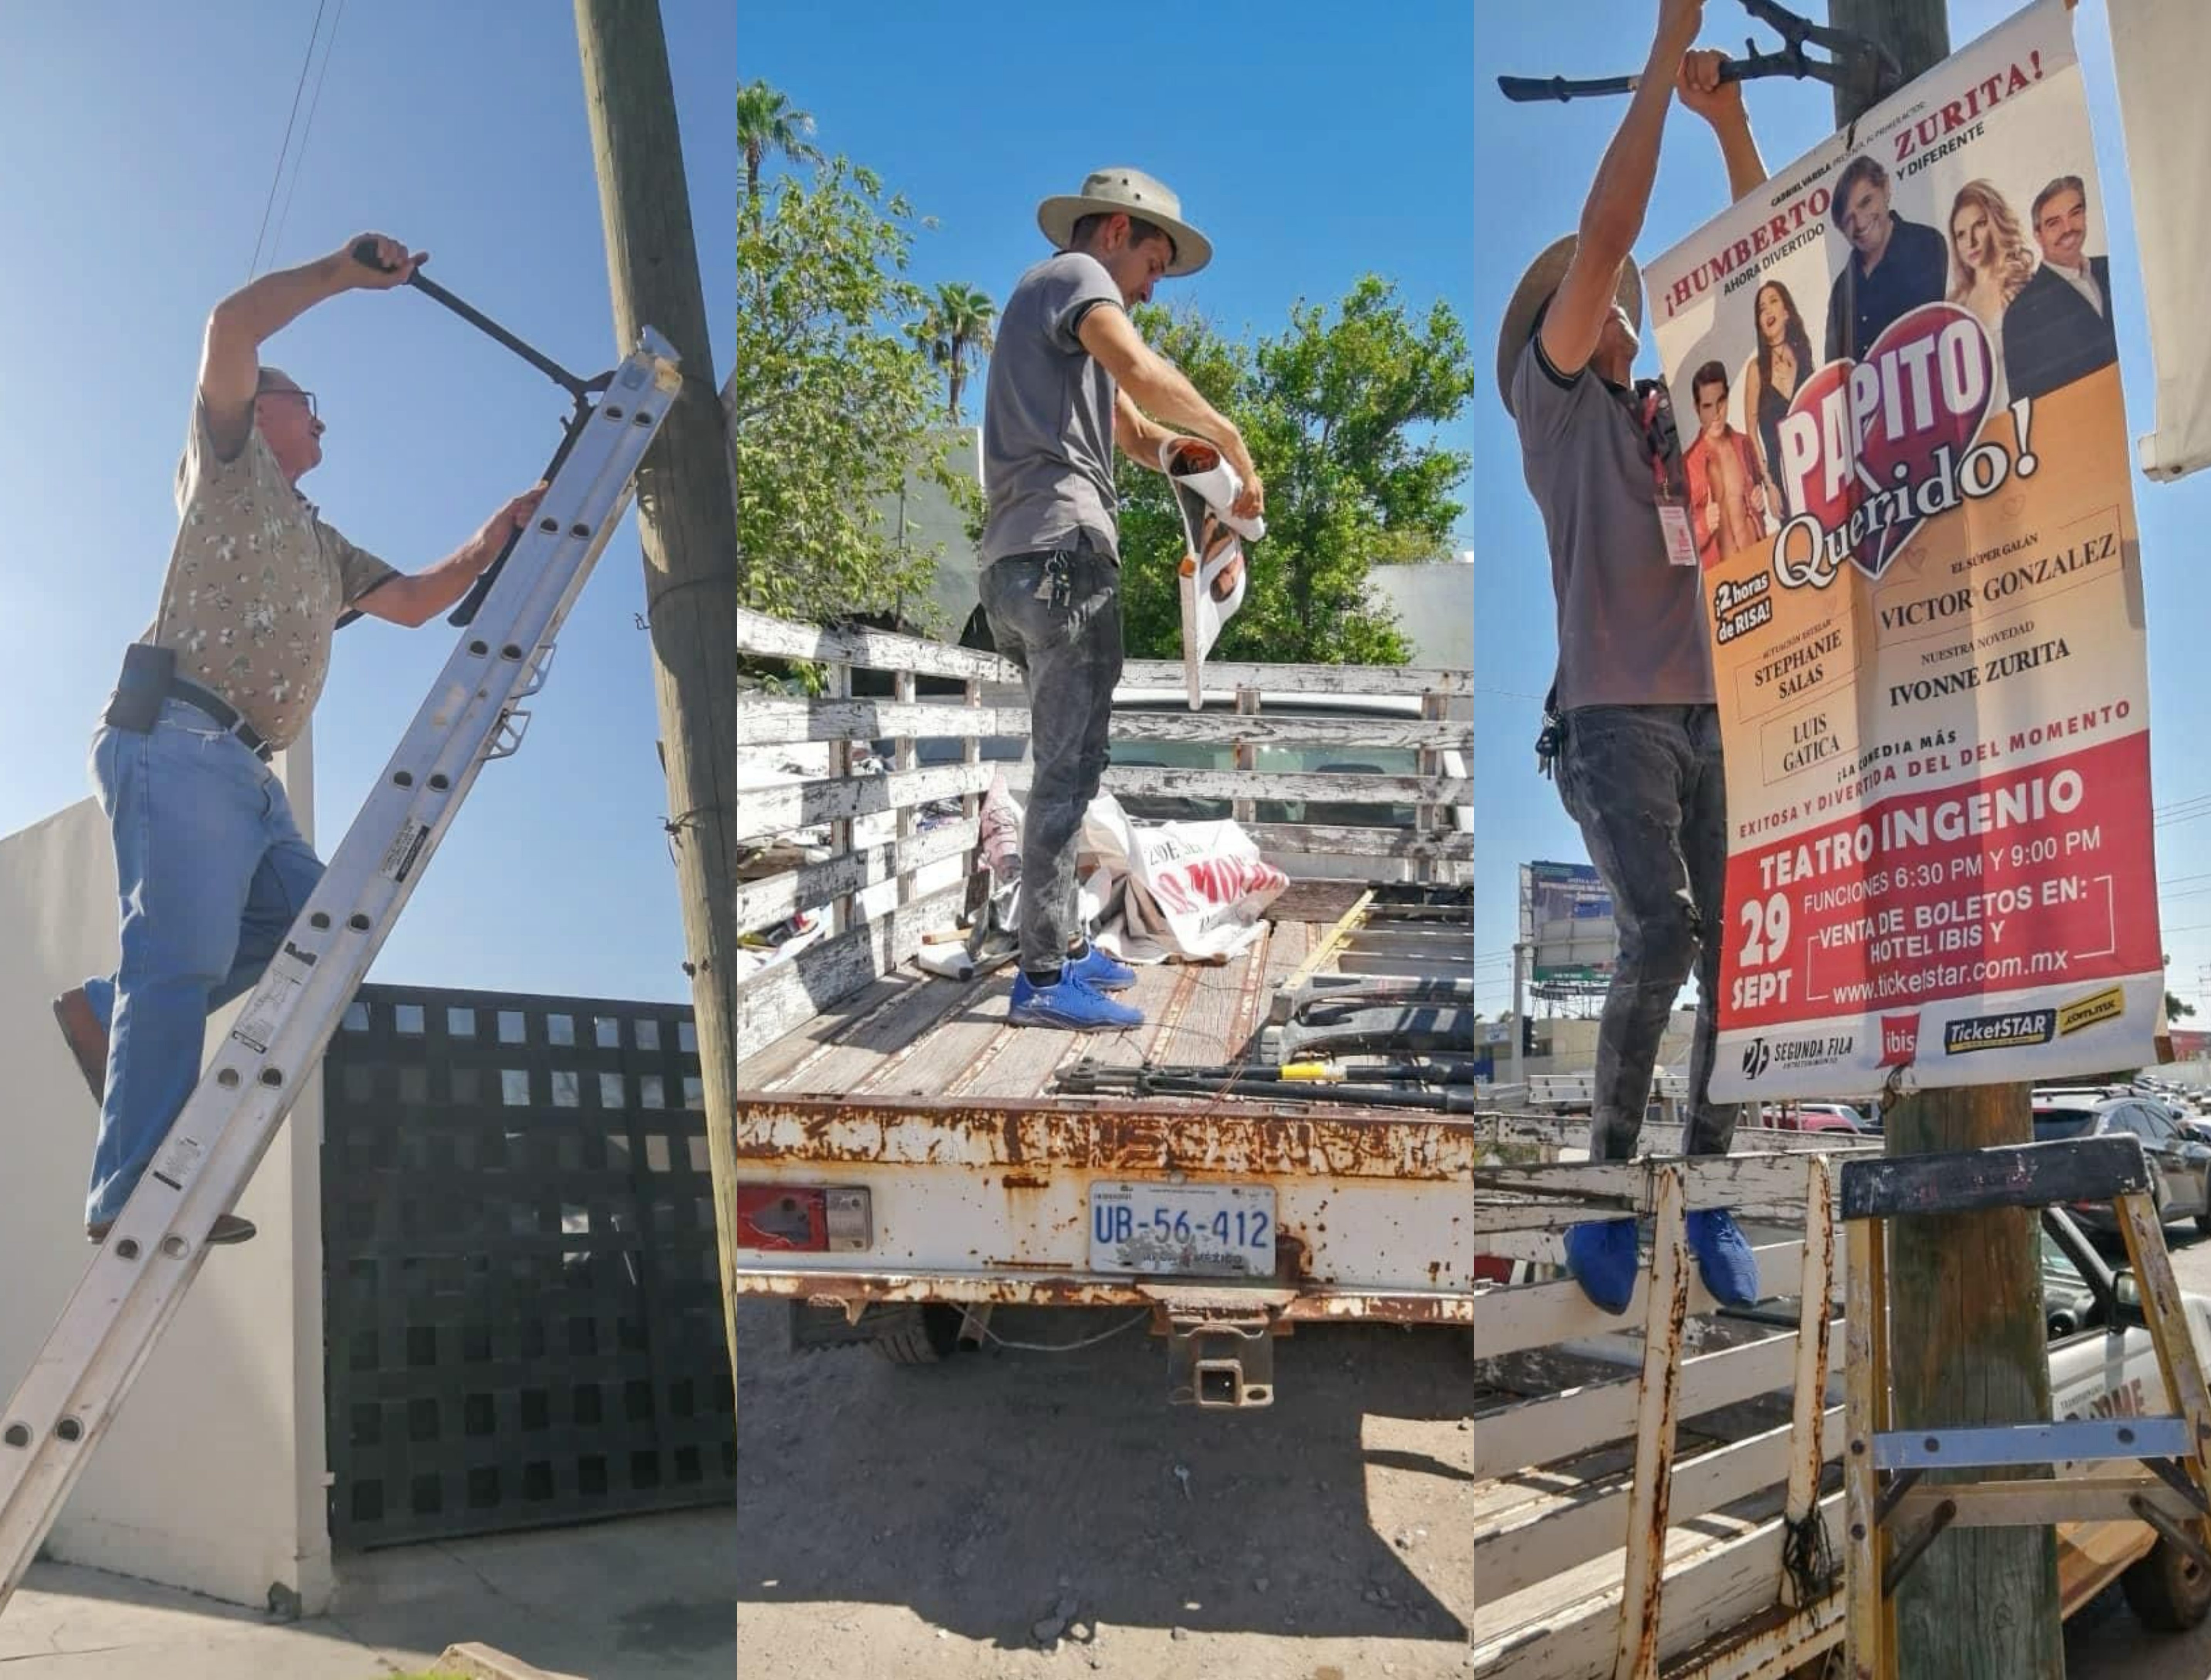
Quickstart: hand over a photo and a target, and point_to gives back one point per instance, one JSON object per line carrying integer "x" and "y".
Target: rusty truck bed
{"x": 914, "y": 1077}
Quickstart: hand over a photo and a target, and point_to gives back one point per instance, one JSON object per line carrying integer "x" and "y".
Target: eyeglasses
{"x": 307, "y": 397}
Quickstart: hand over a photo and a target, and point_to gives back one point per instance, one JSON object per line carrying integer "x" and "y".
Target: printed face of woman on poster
{"x": 1773, "y": 313}
{"x": 1783, "y": 363}
{"x": 1990, "y": 261}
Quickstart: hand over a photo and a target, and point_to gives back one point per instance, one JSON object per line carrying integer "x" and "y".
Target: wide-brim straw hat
{"x": 1534, "y": 290}
{"x": 1136, "y": 194}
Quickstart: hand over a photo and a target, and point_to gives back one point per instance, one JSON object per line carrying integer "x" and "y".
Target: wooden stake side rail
{"x": 1605, "y": 1544}
{"x": 886, "y": 651}
{"x": 823, "y": 834}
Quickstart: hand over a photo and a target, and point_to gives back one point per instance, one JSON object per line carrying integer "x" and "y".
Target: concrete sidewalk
{"x": 639, "y": 1598}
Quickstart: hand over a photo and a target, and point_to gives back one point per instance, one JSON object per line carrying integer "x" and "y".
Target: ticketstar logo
{"x": 2014, "y": 1032}
{"x": 1756, "y": 1058}
{"x": 1899, "y": 1039}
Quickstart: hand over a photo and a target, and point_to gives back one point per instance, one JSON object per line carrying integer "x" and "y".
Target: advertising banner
{"x": 1565, "y": 918}
{"x": 1908, "y": 472}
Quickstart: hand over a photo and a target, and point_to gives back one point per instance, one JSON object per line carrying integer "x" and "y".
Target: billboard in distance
{"x": 1565, "y": 920}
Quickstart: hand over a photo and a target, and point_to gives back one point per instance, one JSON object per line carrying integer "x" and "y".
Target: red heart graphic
{"x": 1856, "y": 434}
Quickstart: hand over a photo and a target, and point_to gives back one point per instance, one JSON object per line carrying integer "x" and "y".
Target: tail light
{"x": 803, "y": 1219}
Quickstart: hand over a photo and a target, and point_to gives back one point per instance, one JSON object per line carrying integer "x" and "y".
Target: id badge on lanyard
{"x": 1653, "y": 411}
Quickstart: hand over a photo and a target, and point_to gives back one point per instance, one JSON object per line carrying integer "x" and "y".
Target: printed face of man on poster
{"x": 1865, "y": 220}
{"x": 2060, "y": 227}
{"x": 2060, "y": 328}
{"x": 1895, "y": 264}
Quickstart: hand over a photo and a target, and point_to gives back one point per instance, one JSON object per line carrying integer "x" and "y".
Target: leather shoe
{"x": 86, "y": 1038}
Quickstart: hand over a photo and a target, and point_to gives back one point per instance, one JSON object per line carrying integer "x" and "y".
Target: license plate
{"x": 1192, "y": 1231}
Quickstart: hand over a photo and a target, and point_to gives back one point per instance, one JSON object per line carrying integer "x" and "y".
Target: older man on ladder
{"x": 210, "y": 865}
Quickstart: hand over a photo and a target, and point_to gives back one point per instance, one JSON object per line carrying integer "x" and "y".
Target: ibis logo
{"x": 1899, "y": 1039}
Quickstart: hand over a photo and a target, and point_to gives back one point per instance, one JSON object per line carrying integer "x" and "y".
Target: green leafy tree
{"x": 768, "y": 126}
{"x": 1338, "y": 412}
{"x": 954, "y": 329}
{"x": 832, "y": 403}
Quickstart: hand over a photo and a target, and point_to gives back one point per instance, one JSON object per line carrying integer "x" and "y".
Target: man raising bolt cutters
{"x": 210, "y": 867}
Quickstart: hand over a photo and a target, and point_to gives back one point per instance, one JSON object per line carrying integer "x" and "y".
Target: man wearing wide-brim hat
{"x": 1069, "y": 380}
{"x": 1632, "y": 730}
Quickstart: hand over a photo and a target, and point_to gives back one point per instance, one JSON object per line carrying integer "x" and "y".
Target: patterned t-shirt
{"x": 255, "y": 585}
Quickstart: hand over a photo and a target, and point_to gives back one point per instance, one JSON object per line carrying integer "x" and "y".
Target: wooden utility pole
{"x": 1968, "y": 1341}
{"x": 687, "y": 516}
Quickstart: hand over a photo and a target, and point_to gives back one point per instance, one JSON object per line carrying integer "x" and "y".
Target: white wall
{"x": 1434, "y": 604}
{"x": 212, "y": 1476}
{"x": 923, "y": 516}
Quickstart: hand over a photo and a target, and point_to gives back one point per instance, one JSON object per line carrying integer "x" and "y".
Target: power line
{"x": 299, "y": 88}
{"x": 308, "y": 132}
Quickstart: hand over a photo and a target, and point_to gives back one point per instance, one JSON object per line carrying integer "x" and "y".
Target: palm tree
{"x": 765, "y": 124}
{"x": 956, "y": 324}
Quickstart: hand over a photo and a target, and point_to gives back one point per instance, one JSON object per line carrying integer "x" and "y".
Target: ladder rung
{"x": 1966, "y": 1181}
{"x": 2021, "y": 1444}
{"x": 2031, "y": 1504}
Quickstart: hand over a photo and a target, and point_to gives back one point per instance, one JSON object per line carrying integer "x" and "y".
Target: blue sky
{"x": 1554, "y": 151}
{"x": 1264, "y": 125}
{"x": 141, "y": 142}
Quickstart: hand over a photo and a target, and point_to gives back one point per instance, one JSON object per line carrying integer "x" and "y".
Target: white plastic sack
{"x": 1197, "y": 890}
{"x": 996, "y": 929}
{"x": 769, "y": 946}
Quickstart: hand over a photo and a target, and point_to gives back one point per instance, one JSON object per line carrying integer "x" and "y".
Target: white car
{"x": 2103, "y": 1363}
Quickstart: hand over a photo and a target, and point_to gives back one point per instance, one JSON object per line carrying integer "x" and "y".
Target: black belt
{"x": 226, "y": 715}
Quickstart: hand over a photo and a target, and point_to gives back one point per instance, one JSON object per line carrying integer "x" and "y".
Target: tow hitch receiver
{"x": 1221, "y": 1359}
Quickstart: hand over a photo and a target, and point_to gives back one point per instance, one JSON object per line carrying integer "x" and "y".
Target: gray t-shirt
{"x": 1631, "y": 624}
{"x": 1048, "y": 415}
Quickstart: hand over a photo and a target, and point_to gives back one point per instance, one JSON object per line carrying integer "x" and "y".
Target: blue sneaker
{"x": 1071, "y": 1005}
{"x": 1724, "y": 1257}
{"x": 1602, "y": 1256}
{"x": 1095, "y": 970}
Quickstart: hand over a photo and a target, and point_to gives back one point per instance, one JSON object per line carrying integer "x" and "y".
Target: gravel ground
{"x": 1015, "y": 1514}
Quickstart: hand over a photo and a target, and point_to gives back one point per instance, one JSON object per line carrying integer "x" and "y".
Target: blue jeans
{"x": 211, "y": 872}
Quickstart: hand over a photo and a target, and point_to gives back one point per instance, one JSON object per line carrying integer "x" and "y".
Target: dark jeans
{"x": 1057, "y": 616}
{"x": 1647, "y": 786}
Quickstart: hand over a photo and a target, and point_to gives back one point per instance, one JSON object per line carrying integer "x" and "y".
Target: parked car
{"x": 2180, "y": 1166}
{"x": 1811, "y": 1117}
{"x": 2103, "y": 1362}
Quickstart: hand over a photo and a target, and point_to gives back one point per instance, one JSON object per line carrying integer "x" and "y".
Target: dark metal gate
{"x": 523, "y": 1322}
